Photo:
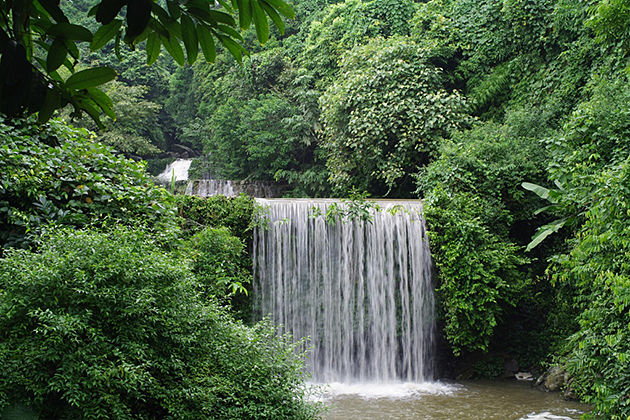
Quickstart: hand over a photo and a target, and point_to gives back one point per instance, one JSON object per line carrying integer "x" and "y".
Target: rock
{"x": 510, "y": 367}
{"x": 555, "y": 378}
{"x": 524, "y": 376}
{"x": 569, "y": 393}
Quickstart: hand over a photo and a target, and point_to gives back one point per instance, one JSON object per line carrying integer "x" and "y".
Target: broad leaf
{"x": 153, "y": 48}
{"x": 56, "y": 55}
{"x": 90, "y": 77}
{"x": 51, "y": 103}
{"x": 541, "y": 192}
{"x": 103, "y": 101}
{"x": 282, "y": 7}
{"x": 108, "y": 10}
{"x": 260, "y": 21}
{"x": 206, "y": 41}
{"x": 544, "y": 231}
{"x": 174, "y": 49}
{"x": 189, "y": 36}
{"x": 69, "y": 31}
{"x": 275, "y": 17}
{"x": 105, "y": 34}
{"x": 235, "y": 49}
{"x": 244, "y": 13}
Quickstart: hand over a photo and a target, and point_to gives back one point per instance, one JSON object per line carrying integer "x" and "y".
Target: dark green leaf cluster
{"x": 57, "y": 174}
{"x": 106, "y": 325}
{"x": 37, "y": 38}
{"x": 473, "y": 199}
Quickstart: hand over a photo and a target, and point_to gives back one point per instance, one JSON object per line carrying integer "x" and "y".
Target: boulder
{"x": 555, "y": 378}
{"x": 510, "y": 367}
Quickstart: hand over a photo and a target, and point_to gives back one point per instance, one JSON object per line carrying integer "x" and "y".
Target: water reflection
{"x": 479, "y": 400}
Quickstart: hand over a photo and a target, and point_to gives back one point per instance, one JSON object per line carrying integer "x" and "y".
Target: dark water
{"x": 478, "y": 400}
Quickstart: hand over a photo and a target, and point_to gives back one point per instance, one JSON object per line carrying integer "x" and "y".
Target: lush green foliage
{"x": 60, "y": 175}
{"x": 235, "y": 213}
{"x": 106, "y": 325}
{"x": 37, "y": 38}
{"x": 218, "y": 260}
{"x": 473, "y": 196}
{"x": 385, "y": 116}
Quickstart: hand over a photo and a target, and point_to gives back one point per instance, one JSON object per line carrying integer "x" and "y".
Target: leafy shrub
{"x": 598, "y": 354}
{"x": 478, "y": 218}
{"x": 220, "y": 262}
{"x": 385, "y": 115}
{"x": 103, "y": 325}
{"x": 235, "y": 213}
{"x": 59, "y": 174}
{"x": 478, "y": 269}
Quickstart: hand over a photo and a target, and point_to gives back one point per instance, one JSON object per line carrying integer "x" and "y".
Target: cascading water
{"x": 175, "y": 171}
{"x": 210, "y": 187}
{"x": 360, "y": 290}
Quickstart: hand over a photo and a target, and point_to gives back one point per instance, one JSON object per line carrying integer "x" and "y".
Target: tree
{"x": 384, "y": 116}
{"x": 37, "y": 39}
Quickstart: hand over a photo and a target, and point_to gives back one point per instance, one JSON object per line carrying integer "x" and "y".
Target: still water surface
{"x": 478, "y": 400}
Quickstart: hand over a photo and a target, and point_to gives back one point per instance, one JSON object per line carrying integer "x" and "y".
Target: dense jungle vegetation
{"x": 510, "y": 119}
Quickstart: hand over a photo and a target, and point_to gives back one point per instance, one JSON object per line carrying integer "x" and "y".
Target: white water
{"x": 388, "y": 390}
{"x": 177, "y": 169}
{"x": 361, "y": 291}
{"x": 210, "y": 187}
{"x": 546, "y": 416}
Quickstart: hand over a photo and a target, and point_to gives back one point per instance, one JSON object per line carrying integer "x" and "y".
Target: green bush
{"x": 220, "y": 262}
{"x": 103, "y": 325}
{"x": 478, "y": 270}
{"x": 234, "y": 213}
{"x": 58, "y": 174}
{"x": 478, "y": 218}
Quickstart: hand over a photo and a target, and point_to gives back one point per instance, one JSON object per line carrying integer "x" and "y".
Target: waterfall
{"x": 361, "y": 291}
{"x": 210, "y": 187}
{"x": 177, "y": 169}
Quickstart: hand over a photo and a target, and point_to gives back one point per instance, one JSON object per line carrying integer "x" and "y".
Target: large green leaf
{"x": 260, "y": 21}
{"x": 189, "y": 36}
{"x": 275, "y": 17}
{"x": 103, "y": 101}
{"x": 244, "y": 13}
{"x": 222, "y": 17}
{"x": 235, "y": 49}
{"x": 107, "y": 10}
{"x": 90, "y": 77}
{"x": 173, "y": 9}
{"x": 51, "y": 103}
{"x": 56, "y": 55}
{"x": 229, "y": 31}
{"x": 153, "y": 47}
{"x": 90, "y": 107}
{"x": 69, "y": 31}
{"x": 544, "y": 231}
{"x": 52, "y": 7}
{"x": 174, "y": 49}
{"x": 138, "y": 16}
{"x": 540, "y": 191}
{"x": 282, "y": 7}
{"x": 104, "y": 34}
{"x": 206, "y": 41}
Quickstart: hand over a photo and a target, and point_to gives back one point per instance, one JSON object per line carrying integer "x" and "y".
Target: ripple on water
{"x": 471, "y": 400}
{"x": 548, "y": 416}
{"x": 388, "y": 390}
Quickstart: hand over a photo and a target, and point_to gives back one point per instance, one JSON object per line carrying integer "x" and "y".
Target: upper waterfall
{"x": 360, "y": 290}
{"x": 175, "y": 171}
